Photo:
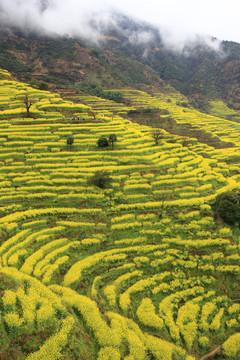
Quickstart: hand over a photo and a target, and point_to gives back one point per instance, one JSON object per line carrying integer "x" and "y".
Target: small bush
{"x": 70, "y": 141}
{"x": 101, "y": 179}
{"x": 102, "y": 142}
{"x": 227, "y": 206}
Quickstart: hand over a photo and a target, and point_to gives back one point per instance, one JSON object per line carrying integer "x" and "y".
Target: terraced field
{"x": 220, "y": 130}
{"x": 137, "y": 271}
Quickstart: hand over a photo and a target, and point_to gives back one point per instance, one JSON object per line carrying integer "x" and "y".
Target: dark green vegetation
{"x": 93, "y": 89}
{"x": 102, "y": 142}
{"x": 101, "y": 179}
{"x": 227, "y": 207}
{"x": 112, "y": 139}
{"x": 70, "y": 141}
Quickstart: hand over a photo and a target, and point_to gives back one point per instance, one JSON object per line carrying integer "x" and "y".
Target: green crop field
{"x": 139, "y": 270}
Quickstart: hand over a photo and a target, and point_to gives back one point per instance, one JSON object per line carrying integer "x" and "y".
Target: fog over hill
{"x": 48, "y": 40}
{"x": 88, "y": 21}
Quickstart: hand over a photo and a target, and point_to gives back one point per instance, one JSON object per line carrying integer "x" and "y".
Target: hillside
{"x": 63, "y": 61}
{"x": 201, "y": 70}
{"x": 139, "y": 270}
{"x": 131, "y": 54}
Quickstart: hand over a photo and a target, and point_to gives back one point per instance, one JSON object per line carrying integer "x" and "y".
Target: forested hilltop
{"x": 110, "y": 244}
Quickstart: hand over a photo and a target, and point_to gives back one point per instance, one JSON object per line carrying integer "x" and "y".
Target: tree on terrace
{"x": 70, "y": 141}
{"x": 27, "y": 103}
{"x": 102, "y": 142}
{"x": 101, "y": 179}
{"x": 112, "y": 139}
{"x": 156, "y": 135}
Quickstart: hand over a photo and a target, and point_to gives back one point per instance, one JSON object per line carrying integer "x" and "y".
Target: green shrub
{"x": 70, "y": 141}
{"x": 227, "y": 206}
{"x": 101, "y": 179}
{"x": 102, "y": 142}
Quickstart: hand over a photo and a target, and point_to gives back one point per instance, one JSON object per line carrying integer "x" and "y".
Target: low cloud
{"x": 55, "y": 17}
{"x": 89, "y": 22}
{"x": 139, "y": 38}
{"x": 184, "y": 42}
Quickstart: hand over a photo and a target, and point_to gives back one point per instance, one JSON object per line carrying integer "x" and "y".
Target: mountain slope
{"x": 67, "y": 62}
{"x": 205, "y": 68}
{"x": 131, "y": 53}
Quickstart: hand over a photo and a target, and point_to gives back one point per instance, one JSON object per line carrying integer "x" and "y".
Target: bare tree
{"x": 28, "y": 103}
{"x": 156, "y": 135}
